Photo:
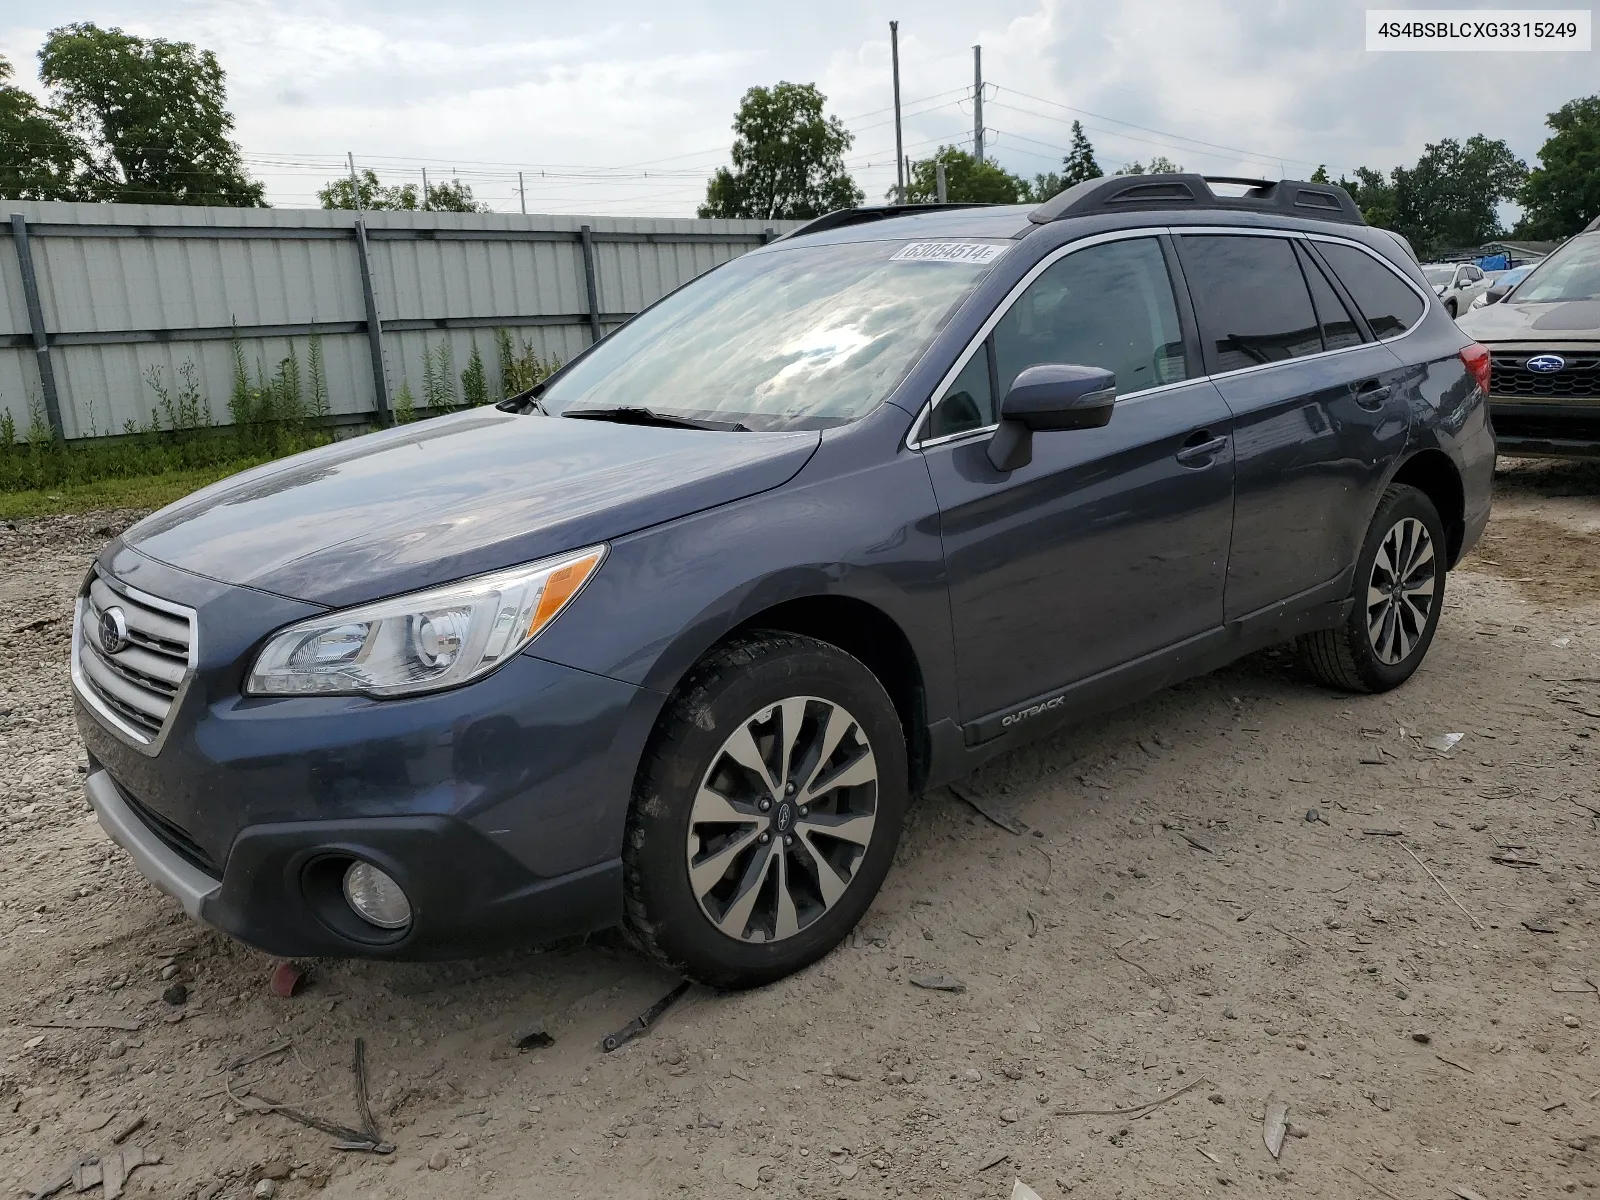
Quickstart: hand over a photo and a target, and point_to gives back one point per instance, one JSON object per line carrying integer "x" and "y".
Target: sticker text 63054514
{"x": 977, "y": 253}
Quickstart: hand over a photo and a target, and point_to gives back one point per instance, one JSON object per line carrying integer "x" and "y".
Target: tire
{"x": 714, "y": 783}
{"x": 1387, "y": 634}
{"x": 1450, "y": 307}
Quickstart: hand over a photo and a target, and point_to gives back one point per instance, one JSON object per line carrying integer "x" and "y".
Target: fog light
{"x": 376, "y": 896}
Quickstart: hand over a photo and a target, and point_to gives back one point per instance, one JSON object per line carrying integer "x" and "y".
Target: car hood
{"x": 454, "y": 496}
{"x": 1511, "y": 321}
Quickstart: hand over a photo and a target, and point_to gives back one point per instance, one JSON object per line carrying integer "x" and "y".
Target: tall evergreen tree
{"x": 1079, "y": 165}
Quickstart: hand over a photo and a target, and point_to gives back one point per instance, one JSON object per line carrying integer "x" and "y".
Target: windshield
{"x": 1437, "y": 275}
{"x": 801, "y": 338}
{"x": 1571, "y": 273}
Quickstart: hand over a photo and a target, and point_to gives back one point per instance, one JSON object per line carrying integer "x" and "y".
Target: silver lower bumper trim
{"x": 157, "y": 862}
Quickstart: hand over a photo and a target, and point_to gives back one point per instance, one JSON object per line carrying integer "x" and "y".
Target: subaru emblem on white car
{"x": 1547, "y": 364}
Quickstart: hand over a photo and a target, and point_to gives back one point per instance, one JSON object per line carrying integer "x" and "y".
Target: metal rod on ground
{"x": 522, "y": 193}
{"x": 424, "y": 187}
{"x": 41, "y": 340}
{"x": 355, "y": 184}
{"x": 590, "y": 282}
{"x": 939, "y": 185}
{"x": 380, "y": 381}
{"x": 899, "y": 152}
{"x": 977, "y": 103}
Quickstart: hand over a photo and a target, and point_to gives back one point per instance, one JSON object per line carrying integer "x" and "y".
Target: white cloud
{"x": 1232, "y": 86}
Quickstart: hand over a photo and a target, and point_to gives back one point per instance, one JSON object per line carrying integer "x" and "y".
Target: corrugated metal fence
{"x": 98, "y": 299}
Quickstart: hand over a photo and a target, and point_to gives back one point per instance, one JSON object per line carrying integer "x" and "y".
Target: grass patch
{"x": 136, "y": 491}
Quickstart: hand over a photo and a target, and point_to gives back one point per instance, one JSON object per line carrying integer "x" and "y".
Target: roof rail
{"x": 841, "y": 217}
{"x": 1122, "y": 193}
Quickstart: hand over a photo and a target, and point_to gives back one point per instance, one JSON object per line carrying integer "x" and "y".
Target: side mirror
{"x": 1049, "y": 397}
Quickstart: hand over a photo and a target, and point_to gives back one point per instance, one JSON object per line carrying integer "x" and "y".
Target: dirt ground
{"x": 1174, "y": 927}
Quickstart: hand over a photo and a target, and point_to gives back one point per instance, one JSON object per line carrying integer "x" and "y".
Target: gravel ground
{"x": 1171, "y": 928}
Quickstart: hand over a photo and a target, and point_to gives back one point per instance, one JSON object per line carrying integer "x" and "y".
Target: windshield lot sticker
{"x": 979, "y": 253}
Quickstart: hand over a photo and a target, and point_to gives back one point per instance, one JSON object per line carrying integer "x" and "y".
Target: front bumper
{"x": 499, "y": 806}
{"x": 1562, "y": 429}
{"x": 279, "y": 890}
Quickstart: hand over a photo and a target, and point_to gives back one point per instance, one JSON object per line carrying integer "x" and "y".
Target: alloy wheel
{"x": 1400, "y": 593}
{"x": 782, "y": 819}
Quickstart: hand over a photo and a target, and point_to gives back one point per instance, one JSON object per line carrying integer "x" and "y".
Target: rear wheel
{"x": 766, "y": 811}
{"x": 1399, "y": 590}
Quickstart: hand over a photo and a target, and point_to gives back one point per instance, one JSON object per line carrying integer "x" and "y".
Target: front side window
{"x": 1571, "y": 273}
{"x": 801, "y": 338}
{"x": 1389, "y": 305}
{"x": 1252, "y": 299}
{"x": 1107, "y": 306}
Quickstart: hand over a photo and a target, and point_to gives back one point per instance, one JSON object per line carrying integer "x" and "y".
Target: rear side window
{"x": 1252, "y": 299}
{"x": 1339, "y": 328}
{"x": 1388, "y": 303}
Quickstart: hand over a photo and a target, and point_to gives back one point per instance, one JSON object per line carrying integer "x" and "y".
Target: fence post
{"x": 380, "y": 381}
{"x": 41, "y": 341}
{"x": 587, "y": 236}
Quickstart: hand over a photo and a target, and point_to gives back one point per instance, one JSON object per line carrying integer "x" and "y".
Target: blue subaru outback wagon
{"x": 670, "y": 640}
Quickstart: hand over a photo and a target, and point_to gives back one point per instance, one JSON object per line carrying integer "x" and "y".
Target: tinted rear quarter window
{"x": 1339, "y": 328}
{"x": 1252, "y": 300}
{"x": 1388, "y": 303}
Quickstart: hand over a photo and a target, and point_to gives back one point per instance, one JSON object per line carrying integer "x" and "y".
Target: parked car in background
{"x": 1544, "y": 345}
{"x": 1501, "y": 283}
{"x": 1456, "y": 284}
{"x": 671, "y": 639}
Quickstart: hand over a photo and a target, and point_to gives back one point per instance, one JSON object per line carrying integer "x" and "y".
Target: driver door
{"x": 1112, "y": 543}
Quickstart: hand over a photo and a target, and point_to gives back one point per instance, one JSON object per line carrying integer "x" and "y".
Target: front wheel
{"x": 766, "y": 812}
{"x": 1450, "y": 307}
{"x": 1398, "y": 592}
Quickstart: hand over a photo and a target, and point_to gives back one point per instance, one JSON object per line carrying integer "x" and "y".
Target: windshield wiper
{"x": 627, "y": 414}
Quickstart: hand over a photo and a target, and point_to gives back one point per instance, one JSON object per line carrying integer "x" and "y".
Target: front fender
{"x": 864, "y": 526}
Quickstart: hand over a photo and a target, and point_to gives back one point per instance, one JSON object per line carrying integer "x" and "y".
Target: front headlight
{"x": 1481, "y": 300}
{"x": 1439, "y": 289}
{"x": 425, "y": 641}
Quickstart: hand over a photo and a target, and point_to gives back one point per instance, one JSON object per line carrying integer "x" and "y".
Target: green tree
{"x": 788, "y": 159}
{"x": 967, "y": 180}
{"x": 453, "y": 196}
{"x": 1159, "y": 165}
{"x": 375, "y": 195}
{"x": 1320, "y": 175}
{"x": 1079, "y": 165}
{"x": 1373, "y": 194}
{"x": 1450, "y": 199}
{"x": 1562, "y": 194}
{"x": 151, "y": 114}
{"x": 39, "y": 158}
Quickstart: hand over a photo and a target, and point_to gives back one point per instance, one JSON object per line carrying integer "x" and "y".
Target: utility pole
{"x": 522, "y": 192}
{"x": 938, "y": 174}
{"x": 424, "y": 187}
{"x": 977, "y": 103}
{"x": 355, "y": 184}
{"x": 899, "y": 153}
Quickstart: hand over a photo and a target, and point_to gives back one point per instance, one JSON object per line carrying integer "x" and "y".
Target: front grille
{"x": 136, "y": 684}
{"x": 1509, "y": 376}
{"x": 175, "y": 836}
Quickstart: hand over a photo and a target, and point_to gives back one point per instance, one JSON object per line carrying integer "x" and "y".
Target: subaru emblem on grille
{"x": 1547, "y": 364}
{"x": 113, "y": 630}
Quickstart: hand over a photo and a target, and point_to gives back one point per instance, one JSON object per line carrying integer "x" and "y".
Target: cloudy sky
{"x": 624, "y": 107}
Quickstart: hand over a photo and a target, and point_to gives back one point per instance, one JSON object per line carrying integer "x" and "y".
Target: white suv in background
{"x": 1457, "y": 284}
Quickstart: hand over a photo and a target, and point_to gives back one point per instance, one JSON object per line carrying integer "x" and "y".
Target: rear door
{"x": 1317, "y": 415}
{"x": 1113, "y": 542}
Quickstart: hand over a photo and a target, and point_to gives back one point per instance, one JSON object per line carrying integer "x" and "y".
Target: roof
{"x": 889, "y": 222}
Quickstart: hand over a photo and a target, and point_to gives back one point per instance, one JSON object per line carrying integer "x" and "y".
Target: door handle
{"x": 1372, "y": 394}
{"x": 1201, "y": 447}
